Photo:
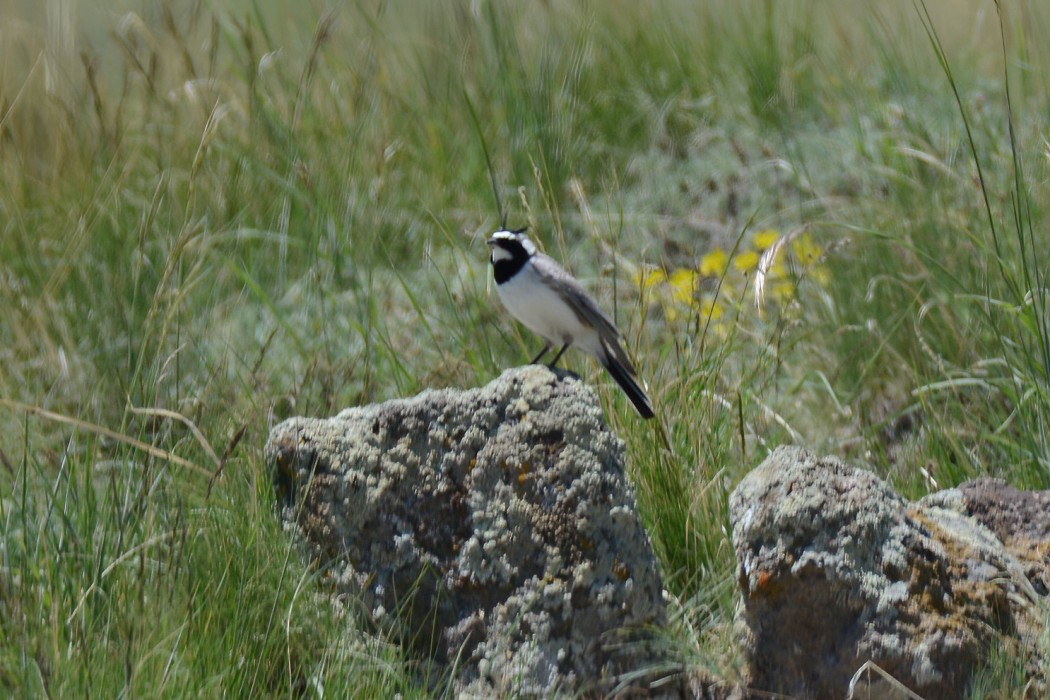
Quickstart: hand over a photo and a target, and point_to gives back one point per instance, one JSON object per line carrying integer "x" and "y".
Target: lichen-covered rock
{"x": 836, "y": 569}
{"x": 1020, "y": 519}
{"x": 492, "y": 530}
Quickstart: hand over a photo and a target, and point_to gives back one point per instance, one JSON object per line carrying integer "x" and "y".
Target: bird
{"x": 547, "y": 300}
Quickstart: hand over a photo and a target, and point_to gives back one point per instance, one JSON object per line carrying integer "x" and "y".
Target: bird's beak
{"x": 491, "y": 241}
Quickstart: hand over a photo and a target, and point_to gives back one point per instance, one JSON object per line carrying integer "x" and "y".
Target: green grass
{"x": 214, "y": 217}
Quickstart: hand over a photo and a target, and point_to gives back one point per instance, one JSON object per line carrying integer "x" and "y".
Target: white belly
{"x": 542, "y": 311}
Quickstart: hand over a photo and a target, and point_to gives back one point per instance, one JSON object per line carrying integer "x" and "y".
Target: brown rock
{"x": 1021, "y": 519}
{"x": 836, "y": 569}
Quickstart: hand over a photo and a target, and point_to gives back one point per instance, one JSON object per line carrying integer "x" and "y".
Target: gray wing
{"x": 583, "y": 305}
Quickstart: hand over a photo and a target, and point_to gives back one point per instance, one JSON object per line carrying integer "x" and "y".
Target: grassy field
{"x": 215, "y": 217}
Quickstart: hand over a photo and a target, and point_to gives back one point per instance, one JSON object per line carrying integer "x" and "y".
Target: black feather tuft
{"x": 630, "y": 387}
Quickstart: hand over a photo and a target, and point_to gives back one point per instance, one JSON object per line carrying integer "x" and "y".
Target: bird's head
{"x": 510, "y": 245}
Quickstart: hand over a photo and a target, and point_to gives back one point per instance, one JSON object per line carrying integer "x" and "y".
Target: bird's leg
{"x": 558, "y": 356}
{"x": 546, "y": 348}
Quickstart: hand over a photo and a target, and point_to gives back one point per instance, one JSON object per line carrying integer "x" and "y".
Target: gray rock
{"x": 491, "y": 531}
{"x": 835, "y": 570}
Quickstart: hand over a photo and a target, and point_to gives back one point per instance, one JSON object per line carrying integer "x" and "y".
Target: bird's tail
{"x": 625, "y": 378}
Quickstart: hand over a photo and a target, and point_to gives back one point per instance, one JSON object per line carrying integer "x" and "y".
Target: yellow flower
{"x": 647, "y": 279}
{"x": 819, "y": 274}
{"x": 710, "y": 308}
{"x": 746, "y": 261}
{"x": 805, "y": 249}
{"x": 782, "y": 291}
{"x": 765, "y": 238}
{"x": 683, "y": 284}
{"x": 714, "y": 263}
{"x": 710, "y": 313}
{"x": 777, "y": 270}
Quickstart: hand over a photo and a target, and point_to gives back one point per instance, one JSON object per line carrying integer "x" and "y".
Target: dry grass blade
{"x": 321, "y": 36}
{"x": 765, "y": 263}
{"x": 105, "y": 432}
{"x": 885, "y": 686}
{"x": 10, "y": 107}
{"x": 7, "y": 463}
{"x": 236, "y": 440}
{"x": 197, "y": 434}
{"x": 113, "y": 565}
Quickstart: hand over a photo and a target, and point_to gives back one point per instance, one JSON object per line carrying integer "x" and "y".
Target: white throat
{"x": 499, "y": 254}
